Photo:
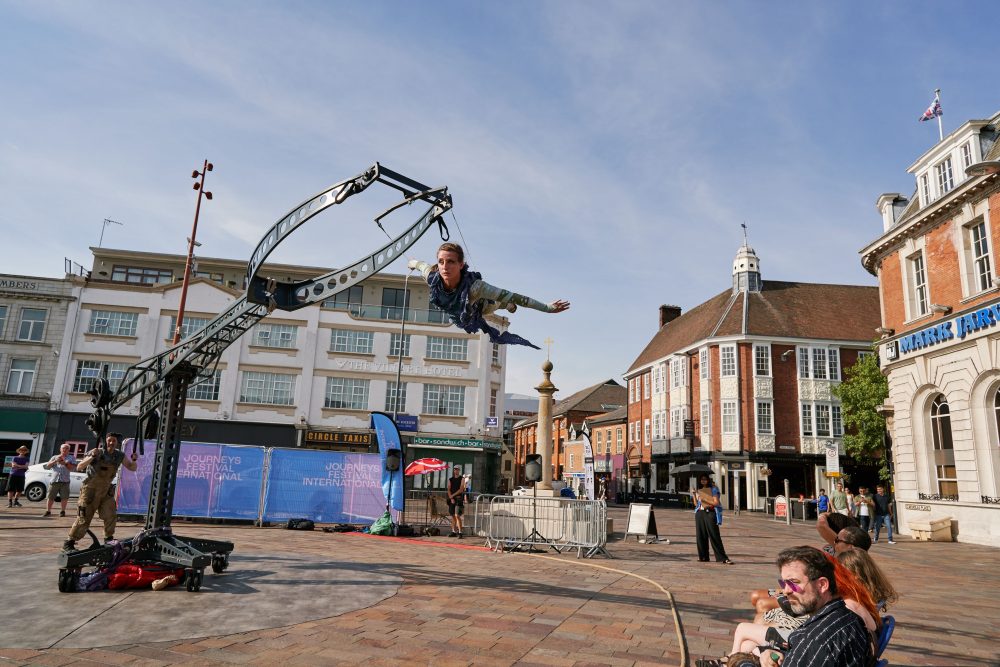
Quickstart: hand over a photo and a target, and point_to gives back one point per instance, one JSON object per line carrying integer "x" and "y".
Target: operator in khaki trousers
{"x": 98, "y": 491}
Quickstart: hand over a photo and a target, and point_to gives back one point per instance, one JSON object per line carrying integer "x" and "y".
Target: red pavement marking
{"x": 470, "y": 547}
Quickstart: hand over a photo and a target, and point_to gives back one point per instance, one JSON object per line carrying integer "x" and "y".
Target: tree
{"x": 862, "y": 392}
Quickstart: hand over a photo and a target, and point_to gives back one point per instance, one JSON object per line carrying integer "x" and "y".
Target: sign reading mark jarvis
{"x": 959, "y": 327}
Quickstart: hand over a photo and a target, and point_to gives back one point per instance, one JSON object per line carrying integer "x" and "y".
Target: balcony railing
{"x": 393, "y": 313}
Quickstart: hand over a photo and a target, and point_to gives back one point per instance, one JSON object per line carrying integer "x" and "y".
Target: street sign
{"x": 492, "y": 422}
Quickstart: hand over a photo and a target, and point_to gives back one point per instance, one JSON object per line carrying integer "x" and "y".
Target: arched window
{"x": 996, "y": 410}
{"x": 944, "y": 448}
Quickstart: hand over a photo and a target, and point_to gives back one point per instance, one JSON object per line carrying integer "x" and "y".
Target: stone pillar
{"x": 543, "y": 444}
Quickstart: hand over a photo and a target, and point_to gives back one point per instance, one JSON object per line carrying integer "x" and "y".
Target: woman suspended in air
{"x": 467, "y": 299}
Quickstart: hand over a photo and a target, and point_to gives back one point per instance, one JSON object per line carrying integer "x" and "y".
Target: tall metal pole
{"x": 402, "y": 340}
{"x": 200, "y": 187}
{"x": 937, "y": 100}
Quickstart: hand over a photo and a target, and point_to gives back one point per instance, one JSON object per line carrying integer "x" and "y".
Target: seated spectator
{"x": 860, "y": 563}
{"x": 841, "y": 533}
{"x": 839, "y": 614}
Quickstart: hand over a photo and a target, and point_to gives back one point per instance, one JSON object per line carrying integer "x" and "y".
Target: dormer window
{"x": 966, "y": 155}
{"x": 946, "y": 180}
{"x": 925, "y": 189}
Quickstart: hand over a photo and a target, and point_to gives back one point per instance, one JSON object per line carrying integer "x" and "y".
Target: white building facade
{"x": 308, "y": 378}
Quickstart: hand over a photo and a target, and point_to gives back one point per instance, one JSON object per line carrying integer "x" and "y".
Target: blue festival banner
{"x": 330, "y": 487}
{"x": 388, "y": 438}
{"x": 213, "y": 481}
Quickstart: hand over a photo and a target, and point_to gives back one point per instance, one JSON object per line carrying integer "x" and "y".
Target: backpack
{"x": 300, "y": 524}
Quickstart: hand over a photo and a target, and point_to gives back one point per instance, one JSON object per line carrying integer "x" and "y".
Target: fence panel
{"x": 331, "y": 487}
{"x": 516, "y": 522}
{"x": 213, "y": 481}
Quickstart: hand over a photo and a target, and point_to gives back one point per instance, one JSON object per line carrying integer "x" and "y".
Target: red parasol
{"x": 422, "y": 466}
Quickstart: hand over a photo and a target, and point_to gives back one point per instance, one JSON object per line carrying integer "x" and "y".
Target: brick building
{"x": 571, "y": 411}
{"x": 743, "y": 382}
{"x": 936, "y": 266}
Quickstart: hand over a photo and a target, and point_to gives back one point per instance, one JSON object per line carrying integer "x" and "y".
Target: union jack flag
{"x": 933, "y": 111}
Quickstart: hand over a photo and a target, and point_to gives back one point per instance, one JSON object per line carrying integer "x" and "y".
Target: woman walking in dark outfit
{"x": 706, "y": 528}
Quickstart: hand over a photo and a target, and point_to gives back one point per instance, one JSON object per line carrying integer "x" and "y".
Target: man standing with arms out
{"x": 62, "y": 463}
{"x": 838, "y": 499}
{"x": 456, "y": 501}
{"x": 834, "y": 636}
{"x": 883, "y": 511}
{"x": 98, "y": 492}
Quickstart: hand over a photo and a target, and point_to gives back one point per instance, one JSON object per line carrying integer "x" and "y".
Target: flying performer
{"x": 467, "y": 299}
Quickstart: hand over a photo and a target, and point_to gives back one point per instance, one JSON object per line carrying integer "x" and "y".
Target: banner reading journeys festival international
{"x": 213, "y": 481}
{"x": 331, "y": 487}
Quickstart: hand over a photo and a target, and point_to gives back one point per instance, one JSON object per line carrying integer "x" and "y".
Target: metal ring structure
{"x": 203, "y": 349}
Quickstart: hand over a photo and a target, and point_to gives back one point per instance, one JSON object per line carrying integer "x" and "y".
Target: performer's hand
{"x": 559, "y": 306}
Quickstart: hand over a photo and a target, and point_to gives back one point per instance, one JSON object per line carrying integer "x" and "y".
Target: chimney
{"x": 669, "y": 313}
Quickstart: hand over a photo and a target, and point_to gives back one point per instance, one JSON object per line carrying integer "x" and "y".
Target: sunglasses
{"x": 790, "y": 585}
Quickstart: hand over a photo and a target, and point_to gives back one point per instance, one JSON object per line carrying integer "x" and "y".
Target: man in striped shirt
{"x": 834, "y": 636}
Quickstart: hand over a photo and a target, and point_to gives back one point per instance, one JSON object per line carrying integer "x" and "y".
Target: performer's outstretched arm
{"x": 504, "y": 298}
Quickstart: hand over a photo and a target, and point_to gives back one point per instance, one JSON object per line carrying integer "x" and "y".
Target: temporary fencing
{"x": 516, "y": 522}
{"x": 262, "y": 484}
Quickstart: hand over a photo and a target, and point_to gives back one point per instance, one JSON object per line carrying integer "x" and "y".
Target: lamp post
{"x": 199, "y": 185}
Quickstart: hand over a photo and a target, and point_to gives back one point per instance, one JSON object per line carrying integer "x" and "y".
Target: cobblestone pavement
{"x": 465, "y": 606}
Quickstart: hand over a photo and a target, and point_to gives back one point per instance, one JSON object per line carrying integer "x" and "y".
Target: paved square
{"x": 465, "y": 606}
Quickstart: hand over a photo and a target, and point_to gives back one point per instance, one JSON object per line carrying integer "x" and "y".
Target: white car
{"x": 37, "y": 480}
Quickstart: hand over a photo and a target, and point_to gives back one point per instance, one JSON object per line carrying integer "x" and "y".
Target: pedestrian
{"x": 851, "y": 509}
{"x": 863, "y": 507}
{"x": 838, "y": 499}
{"x": 706, "y": 529}
{"x": 456, "y": 501}
{"x": 98, "y": 491}
{"x": 822, "y": 503}
{"x": 581, "y": 491}
{"x": 18, "y": 469}
{"x": 883, "y": 512}
{"x": 62, "y": 463}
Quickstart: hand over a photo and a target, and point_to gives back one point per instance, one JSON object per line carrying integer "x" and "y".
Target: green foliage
{"x": 863, "y": 390}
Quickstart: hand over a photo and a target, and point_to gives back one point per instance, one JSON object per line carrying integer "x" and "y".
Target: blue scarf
{"x": 465, "y": 314}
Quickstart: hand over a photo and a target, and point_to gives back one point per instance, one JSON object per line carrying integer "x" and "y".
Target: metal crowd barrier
{"x": 426, "y": 508}
{"x": 524, "y": 522}
{"x": 429, "y": 507}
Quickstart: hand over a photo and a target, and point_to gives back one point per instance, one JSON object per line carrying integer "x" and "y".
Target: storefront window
{"x": 944, "y": 449}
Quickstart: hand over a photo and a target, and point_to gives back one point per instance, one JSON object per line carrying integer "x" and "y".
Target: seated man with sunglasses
{"x": 834, "y": 635}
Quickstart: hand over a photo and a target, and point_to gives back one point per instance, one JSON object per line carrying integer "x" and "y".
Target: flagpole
{"x": 937, "y": 100}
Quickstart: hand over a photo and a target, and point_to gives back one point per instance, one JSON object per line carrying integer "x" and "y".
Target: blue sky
{"x": 604, "y": 153}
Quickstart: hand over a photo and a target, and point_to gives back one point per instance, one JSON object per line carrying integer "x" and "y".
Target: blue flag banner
{"x": 213, "y": 481}
{"x": 388, "y": 438}
{"x": 330, "y": 487}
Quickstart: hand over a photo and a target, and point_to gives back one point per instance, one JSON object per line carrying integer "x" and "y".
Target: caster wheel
{"x": 197, "y": 581}
{"x": 189, "y": 581}
{"x": 64, "y": 579}
{"x": 220, "y": 563}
